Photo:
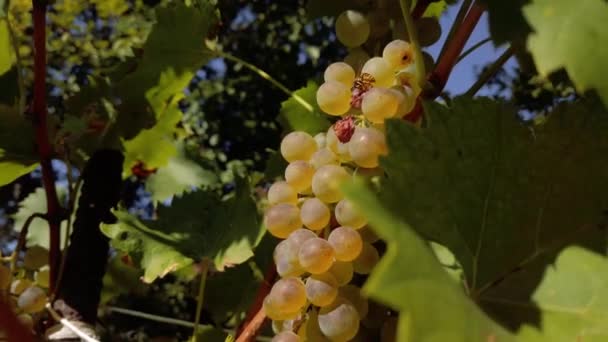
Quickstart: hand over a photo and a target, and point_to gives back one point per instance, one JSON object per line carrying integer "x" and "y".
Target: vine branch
{"x": 473, "y": 48}
{"x": 255, "y": 317}
{"x": 462, "y": 12}
{"x": 23, "y": 236}
{"x": 490, "y": 71}
{"x": 201, "y": 295}
{"x": 439, "y": 77}
{"x": 45, "y": 150}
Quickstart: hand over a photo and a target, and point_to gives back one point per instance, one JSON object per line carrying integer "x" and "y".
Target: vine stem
{"x": 66, "y": 323}
{"x": 440, "y": 75}
{"x": 45, "y": 150}
{"x": 255, "y": 316}
{"x": 263, "y": 74}
{"x": 412, "y": 31}
{"x": 490, "y": 71}
{"x": 462, "y": 12}
{"x": 201, "y": 295}
{"x": 22, "y": 238}
{"x": 473, "y": 48}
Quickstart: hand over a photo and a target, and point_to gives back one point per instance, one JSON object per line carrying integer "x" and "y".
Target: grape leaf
{"x": 197, "y": 225}
{"x": 571, "y": 35}
{"x": 7, "y": 56}
{"x": 574, "y": 298}
{"x": 294, "y": 117}
{"x": 502, "y": 197}
{"x": 410, "y": 279}
{"x": 507, "y": 22}
{"x": 178, "y": 176}
{"x": 120, "y": 279}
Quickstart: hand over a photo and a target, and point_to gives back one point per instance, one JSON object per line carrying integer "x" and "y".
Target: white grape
{"x": 282, "y": 219}
{"x": 323, "y": 156}
{"x": 33, "y": 299}
{"x": 43, "y": 277}
{"x": 347, "y": 214}
{"x": 352, "y": 28}
{"x": 315, "y": 214}
{"x": 368, "y": 235}
{"x": 298, "y": 146}
{"x": 288, "y": 295}
{"x": 339, "y": 321}
{"x": 380, "y": 70}
{"x": 299, "y": 174}
{"x": 285, "y": 257}
{"x": 19, "y": 285}
{"x": 340, "y": 72}
{"x": 334, "y": 98}
{"x": 327, "y": 181}
{"x": 398, "y": 54}
{"x": 320, "y": 139}
{"x": 342, "y": 271}
{"x": 281, "y": 192}
{"x": 365, "y": 147}
{"x": 406, "y": 99}
{"x": 346, "y": 242}
{"x": 367, "y": 259}
{"x": 353, "y": 294}
{"x": 379, "y": 104}
{"x": 356, "y": 58}
{"x": 316, "y": 255}
{"x": 321, "y": 289}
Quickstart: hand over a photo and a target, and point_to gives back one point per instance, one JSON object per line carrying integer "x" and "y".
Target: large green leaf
{"x": 410, "y": 279}
{"x": 7, "y": 56}
{"x": 295, "y": 117}
{"x": 197, "y": 225}
{"x": 507, "y": 22}
{"x": 571, "y": 35}
{"x": 503, "y": 197}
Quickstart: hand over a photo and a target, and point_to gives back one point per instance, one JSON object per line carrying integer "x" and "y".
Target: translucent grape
{"x": 300, "y": 235}
{"x": 365, "y": 146}
{"x": 340, "y": 72}
{"x": 337, "y": 147}
{"x": 316, "y": 255}
{"x": 349, "y": 215}
{"x": 326, "y": 183}
{"x": 367, "y": 259}
{"x": 334, "y": 98}
{"x": 299, "y": 174}
{"x": 43, "y": 276}
{"x": 398, "y": 54}
{"x": 379, "y": 104}
{"x": 32, "y": 300}
{"x": 380, "y": 70}
{"x": 271, "y": 310}
{"x": 353, "y": 294}
{"x": 285, "y": 257}
{"x": 352, "y": 28}
{"x": 298, "y": 146}
{"x": 288, "y": 295}
{"x": 282, "y": 219}
{"x": 356, "y": 58}
{"x": 368, "y": 235}
{"x": 406, "y": 99}
{"x": 339, "y": 321}
{"x": 312, "y": 332}
{"x": 342, "y": 271}
{"x": 19, "y": 285}
{"x": 321, "y": 289}
{"x": 320, "y": 139}
{"x": 5, "y": 277}
{"x": 286, "y": 336}
{"x": 35, "y": 257}
{"x": 315, "y": 214}
{"x": 281, "y": 192}
{"x": 323, "y": 156}
{"x": 346, "y": 242}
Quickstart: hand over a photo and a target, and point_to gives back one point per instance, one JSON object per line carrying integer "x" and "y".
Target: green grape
{"x": 281, "y": 192}
{"x": 5, "y": 277}
{"x": 299, "y": 174}
{"x": 379, "y": 104}
{"x": 286, "y": 336}
{"x": 429, "y": 31}
{"x": 285, "y": 257}
{"x": 326, "y": 183}
{"x": 337, "y": 147}
{"x": 388, "y": 332}
{"x": 33, "y": 299}
{"x": 353, "y": 294}
{"x": 315, "y": 214}
{"x": 288, "y": 294}
{"x": 368, "y": 235}
{"x": 19, "y": 285}
{"x": 282, "y": 219}
{"x": 342, "y": 271}
{"x": 35, "y": 257}
{"x": 379, "y": 22}
{"x": 43, "y": 276}
{"x": 349, "y": 215}
{"x": 398, "y": 54}
{"x": 339, "y": 321}
{"x": 334, "y": 98}
{"x": 380, "y": 70}
{"x": 366, "y": 261}
{"x": 346, "y": 242}
{"x": 352, "y": 28}
{"x": 298, "y": 146}
{"x": 321, "y": 289}
{"x": 320, "y": 139}
{"x": 316, "y": 255}
{"x": 406, "y": 99}
{"x": 323, "y": 156}
{"x": 365, "y": 146}
{"x": 26, "y": 320}
{"x": 356, "y": 58}
{"x": 340, "y": 72}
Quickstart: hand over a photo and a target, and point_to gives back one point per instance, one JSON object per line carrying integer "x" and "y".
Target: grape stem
{"x": 473, "y": 48}
{"x": 489, "y": 72}
{"x": 45, "y": 150}
{"x": 255, "y": 317}
{"x": 440, "y": 75}
{"x": 204, "y": 265}
{"x": 462, "y": 12}
{"x": 406, "y": 6}
{"x": 22, "y": 238}
{"x": 263, "y": 74}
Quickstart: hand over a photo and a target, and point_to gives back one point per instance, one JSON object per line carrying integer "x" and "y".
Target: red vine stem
{"x": 42, "y": 137}
{"x": 255, "y": 317}
{"x": 439, "y": 77}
